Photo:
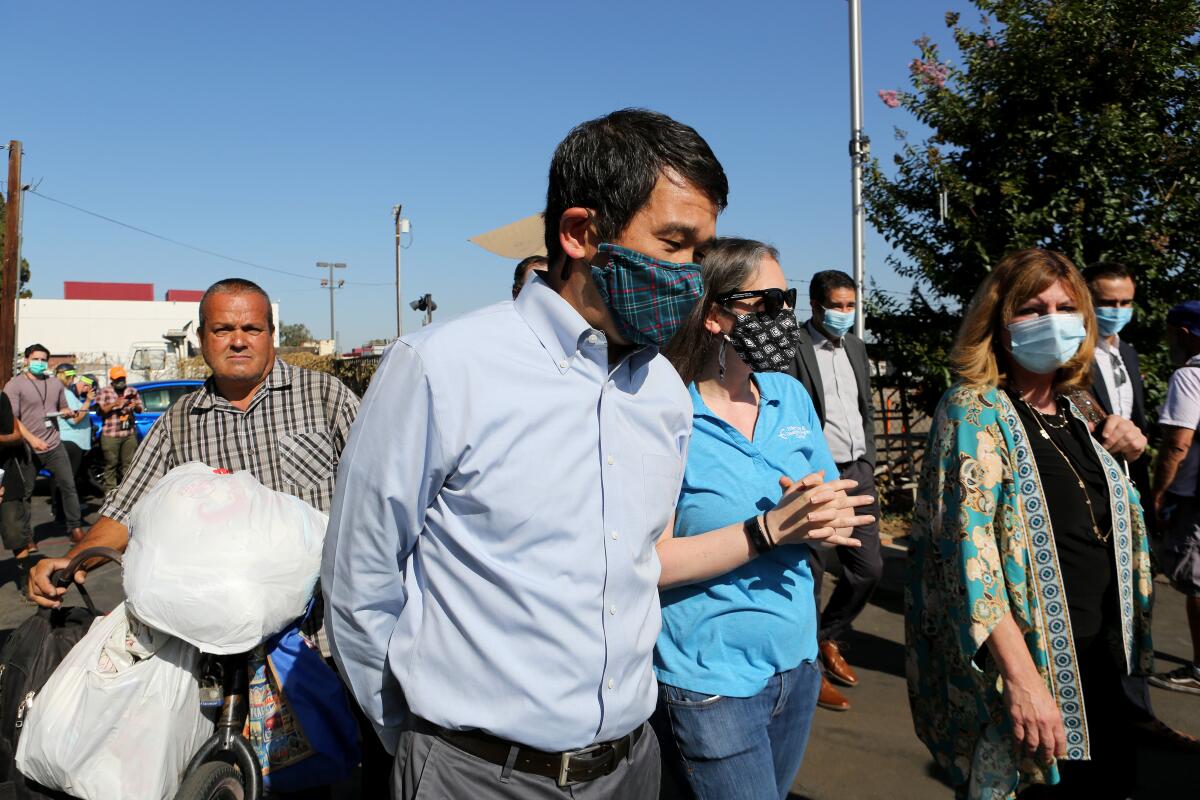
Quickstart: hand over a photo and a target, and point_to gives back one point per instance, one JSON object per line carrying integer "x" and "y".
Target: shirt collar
{"x": 280, "y": 377}
{"x": 556, "y": 324}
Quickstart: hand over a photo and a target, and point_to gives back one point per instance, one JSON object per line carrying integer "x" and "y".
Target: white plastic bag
{"x": 220, "y": 560}
{"x": 119, "y": 718}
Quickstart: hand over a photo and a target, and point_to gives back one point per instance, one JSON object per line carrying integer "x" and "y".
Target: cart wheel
{"x": 215, "y": 780}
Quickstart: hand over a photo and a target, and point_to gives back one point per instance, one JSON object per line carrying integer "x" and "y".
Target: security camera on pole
{"x": 424, "y": 303}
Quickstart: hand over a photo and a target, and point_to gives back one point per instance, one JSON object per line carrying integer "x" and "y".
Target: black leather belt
{"x": 565, "y": 768}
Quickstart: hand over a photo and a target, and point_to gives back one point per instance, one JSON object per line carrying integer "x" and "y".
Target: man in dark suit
{"x": 832, "y": 364}
{"x": 1117, "y": 386}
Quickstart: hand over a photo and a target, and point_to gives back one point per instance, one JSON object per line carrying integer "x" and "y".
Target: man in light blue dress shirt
{"x": 490, "y": 573}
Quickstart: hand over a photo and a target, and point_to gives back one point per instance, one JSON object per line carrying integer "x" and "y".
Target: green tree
{"x": 23, "y": 279}
{"x": 1066, "y": 124}
{"x": 294, "y": 335}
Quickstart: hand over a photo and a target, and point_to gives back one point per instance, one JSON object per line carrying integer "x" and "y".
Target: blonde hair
{"x": 978, "y": 356}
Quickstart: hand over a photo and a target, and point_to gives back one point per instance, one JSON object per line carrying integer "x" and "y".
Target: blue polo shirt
{"x": 730, "y": 634}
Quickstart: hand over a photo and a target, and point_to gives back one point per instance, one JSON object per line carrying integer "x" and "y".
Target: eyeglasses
{"x": 774, "y": 300}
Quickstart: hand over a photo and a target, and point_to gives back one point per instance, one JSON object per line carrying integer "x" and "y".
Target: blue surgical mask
{"x": 838, "y": 323}
{"x": 1111, "y": 320}
{"x": 1043, "y": 344}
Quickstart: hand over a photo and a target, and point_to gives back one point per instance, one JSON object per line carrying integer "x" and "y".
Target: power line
{"x": 187, "y": 246}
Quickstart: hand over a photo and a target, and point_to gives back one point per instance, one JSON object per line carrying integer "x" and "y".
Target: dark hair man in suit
{"x": 1117, "y": 386}
{"x": 832, "y": 364}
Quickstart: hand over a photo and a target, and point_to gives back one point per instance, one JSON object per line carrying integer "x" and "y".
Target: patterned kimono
{"x": 982, "y": 547}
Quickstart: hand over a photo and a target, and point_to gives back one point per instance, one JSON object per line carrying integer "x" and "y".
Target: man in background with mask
{"x": 118, "y": 436}
{"x": 38, "y": 403}
{"x": 444, "y": 560}
{"x": 832, "y": 364}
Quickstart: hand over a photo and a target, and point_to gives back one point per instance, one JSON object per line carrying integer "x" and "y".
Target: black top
{"x": 11, "y": 456}
{"x": 1088, "y": 564}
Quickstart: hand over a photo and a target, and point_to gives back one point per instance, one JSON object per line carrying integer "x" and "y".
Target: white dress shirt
{"x": 1116, "y": 377}
{"x": 490, "y": 559}
{"x": 843, "y": 421}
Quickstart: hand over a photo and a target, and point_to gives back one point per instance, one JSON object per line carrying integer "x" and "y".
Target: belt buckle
{"x": 564, "y": 766}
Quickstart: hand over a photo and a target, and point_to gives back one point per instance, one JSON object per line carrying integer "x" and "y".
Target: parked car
{"x": 157, "y": 397}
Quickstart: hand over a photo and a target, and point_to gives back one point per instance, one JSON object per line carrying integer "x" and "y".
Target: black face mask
{"x": 118, "y": 386}
{"x": 766, "y": 342}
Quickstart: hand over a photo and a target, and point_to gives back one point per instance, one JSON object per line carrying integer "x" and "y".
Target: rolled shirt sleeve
{"x": 392, "y": 468}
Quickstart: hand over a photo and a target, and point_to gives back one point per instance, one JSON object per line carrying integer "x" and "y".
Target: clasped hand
{"x": 818, "y": 511}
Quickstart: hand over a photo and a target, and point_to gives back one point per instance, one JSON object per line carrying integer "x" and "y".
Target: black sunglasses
{"x": 774, "y": 300}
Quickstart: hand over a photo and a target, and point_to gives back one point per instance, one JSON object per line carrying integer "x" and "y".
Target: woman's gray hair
{"x": 728, "y": 264}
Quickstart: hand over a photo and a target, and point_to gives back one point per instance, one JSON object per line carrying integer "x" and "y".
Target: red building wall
{"x": 184, "y": 295}
{"x": 92, "y": 290}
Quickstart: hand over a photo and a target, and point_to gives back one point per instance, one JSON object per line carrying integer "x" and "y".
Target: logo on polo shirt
{"x": 794, "y": 432}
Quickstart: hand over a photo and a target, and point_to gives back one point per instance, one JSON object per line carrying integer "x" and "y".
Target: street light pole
{"x": 329, "y": 282}
{"x": 860, "y": 148}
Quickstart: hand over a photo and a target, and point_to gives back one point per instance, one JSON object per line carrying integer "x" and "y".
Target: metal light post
{"x": 333, "y": 286}
{"x": 860, "y": 149}
{"x": 401, "y": 227}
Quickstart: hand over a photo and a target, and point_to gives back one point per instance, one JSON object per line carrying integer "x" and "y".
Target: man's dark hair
{"x": 237, "y": 286}
{"x": 35, "y": 348}
{"x": 64, "y": 367}
{"x": 526, "y": 264}
{"x": 825, "y": 282}
{"x": 1106, "y": 270}
{"x": 612, "y": 163}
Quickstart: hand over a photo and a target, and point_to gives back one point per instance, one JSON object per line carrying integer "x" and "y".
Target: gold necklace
{"x": 1087, "y": 498}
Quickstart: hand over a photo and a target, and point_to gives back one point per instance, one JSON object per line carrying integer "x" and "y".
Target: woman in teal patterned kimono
{"x": 1028, "y": 591}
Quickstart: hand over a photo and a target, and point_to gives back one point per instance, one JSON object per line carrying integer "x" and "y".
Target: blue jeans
{"x": 744, "y": 747}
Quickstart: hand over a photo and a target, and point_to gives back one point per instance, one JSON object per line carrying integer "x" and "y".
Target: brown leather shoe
{"x": 77, "y": 536}
{"x": 835, "y": 666}
{"x": 831, "y": 698}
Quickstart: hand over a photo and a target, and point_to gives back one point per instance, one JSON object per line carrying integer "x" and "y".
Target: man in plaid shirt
{"x": 118, "y": 403}
{"x": 283, "y": 424}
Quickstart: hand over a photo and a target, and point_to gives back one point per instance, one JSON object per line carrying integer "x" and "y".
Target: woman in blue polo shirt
{"x": 736, "y": 658}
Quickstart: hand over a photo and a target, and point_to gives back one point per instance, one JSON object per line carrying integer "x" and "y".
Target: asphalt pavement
{"x": 865, "y": 753}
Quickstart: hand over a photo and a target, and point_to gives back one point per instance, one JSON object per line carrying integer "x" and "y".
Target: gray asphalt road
{"x": 866, "y": 753}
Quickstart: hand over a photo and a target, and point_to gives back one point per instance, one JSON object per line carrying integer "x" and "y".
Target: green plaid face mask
{"x": 649, "y": 299}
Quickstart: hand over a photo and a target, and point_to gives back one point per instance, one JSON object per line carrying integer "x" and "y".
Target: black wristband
{"x": 756, "y": 535}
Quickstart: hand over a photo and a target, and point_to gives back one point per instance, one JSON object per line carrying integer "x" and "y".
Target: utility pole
{"x": 860, "y": 150}
{"x": 12, "y": 264}
{"x": 401, "y": 227}
{"x": 333, "y": 286}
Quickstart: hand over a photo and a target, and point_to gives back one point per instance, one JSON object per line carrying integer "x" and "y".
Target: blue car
{"x": 157, "y": 397}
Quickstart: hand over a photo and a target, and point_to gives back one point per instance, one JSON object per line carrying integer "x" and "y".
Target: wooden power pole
{"x": 12, "y": 264}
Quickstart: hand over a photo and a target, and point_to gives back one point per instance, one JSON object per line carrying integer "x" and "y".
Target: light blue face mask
{"x": 838, "y": 323}
{"x": 1043, "y": 344}
{"x": 1111, "y": 320}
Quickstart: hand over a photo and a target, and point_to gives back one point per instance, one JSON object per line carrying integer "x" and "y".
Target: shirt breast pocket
{"x": 306, "y": 458}
{"x": 660, "y": 481}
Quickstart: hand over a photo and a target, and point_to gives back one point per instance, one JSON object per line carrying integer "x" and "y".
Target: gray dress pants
{"x": 58, "y": 463}
{"x": 429, "y": 768}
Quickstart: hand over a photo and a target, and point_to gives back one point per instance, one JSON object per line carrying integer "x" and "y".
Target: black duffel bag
{"x": 30, "y": 655}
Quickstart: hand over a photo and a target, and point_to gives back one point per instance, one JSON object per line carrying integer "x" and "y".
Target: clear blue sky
{"x": 284, "y": 132}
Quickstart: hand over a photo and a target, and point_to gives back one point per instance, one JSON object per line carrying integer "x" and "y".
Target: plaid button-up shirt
{"x": 290, "y": 438}
{"x": 112, "y": 420}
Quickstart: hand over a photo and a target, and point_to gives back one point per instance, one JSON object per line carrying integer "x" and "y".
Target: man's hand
{"x": 1121, "y": 437}
{"x": 41, "y": 590}
{"x": 38, "y": 444}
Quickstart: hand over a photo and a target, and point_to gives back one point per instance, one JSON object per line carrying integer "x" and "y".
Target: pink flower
{"x": 890, "y": 97}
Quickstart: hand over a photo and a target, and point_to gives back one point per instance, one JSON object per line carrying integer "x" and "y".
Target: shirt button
{"x": 611, "y": 461}
{"x": 592, "y": 339}
{"x": 612, "y": 684}
{"x": 562, "y": 364}
{"x": 614, "y": 535}
{"x": 612, "y": 611}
